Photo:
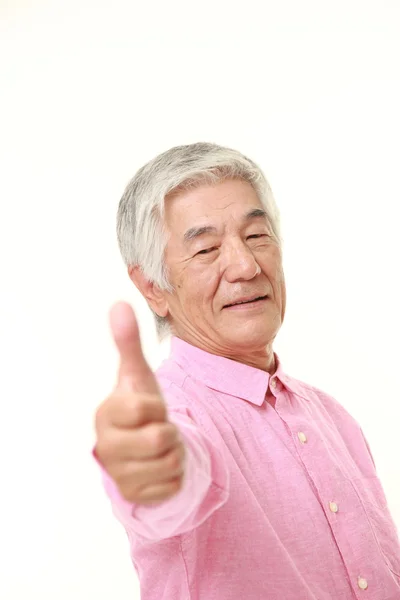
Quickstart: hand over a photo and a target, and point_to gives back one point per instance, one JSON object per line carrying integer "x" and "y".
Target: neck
{"x": 265, "y": 360}
{"x": 260, "y": 358}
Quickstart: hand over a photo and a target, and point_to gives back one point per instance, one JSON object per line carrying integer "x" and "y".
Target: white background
{"x": 90, "y": 90}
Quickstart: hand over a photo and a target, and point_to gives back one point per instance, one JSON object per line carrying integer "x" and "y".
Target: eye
{"x": 206, "y": 250}
{"x": 256, "y": 235}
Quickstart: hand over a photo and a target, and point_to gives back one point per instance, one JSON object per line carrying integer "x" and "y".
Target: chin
{"x": 252, "y": 338}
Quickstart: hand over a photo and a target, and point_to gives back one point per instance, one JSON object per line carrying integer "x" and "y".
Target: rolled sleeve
{"x": 205, "y": 488}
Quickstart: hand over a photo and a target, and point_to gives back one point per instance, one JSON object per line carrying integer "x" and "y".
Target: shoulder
{"x": 171, "y": 379}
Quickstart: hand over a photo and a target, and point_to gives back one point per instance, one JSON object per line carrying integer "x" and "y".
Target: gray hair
{"x": 141, "y": 233}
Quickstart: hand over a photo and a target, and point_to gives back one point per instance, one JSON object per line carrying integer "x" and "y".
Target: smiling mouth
{"x": 247, "y": 301}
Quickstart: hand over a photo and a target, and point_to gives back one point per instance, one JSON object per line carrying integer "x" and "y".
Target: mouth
{"x": 249, "y": 301}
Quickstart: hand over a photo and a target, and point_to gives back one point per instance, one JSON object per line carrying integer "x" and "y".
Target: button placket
{"x": 304, "y": 440}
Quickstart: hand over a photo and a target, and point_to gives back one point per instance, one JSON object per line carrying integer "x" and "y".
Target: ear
{"x": 155, "y": 297}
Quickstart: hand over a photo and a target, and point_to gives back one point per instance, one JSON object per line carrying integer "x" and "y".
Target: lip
{"x": 247, "y": 299}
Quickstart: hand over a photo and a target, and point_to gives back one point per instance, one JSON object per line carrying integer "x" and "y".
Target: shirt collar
{"x": 229, "y": 376}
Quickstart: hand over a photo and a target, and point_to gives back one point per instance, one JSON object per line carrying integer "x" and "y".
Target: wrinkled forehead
{"x": 209, "y": 207}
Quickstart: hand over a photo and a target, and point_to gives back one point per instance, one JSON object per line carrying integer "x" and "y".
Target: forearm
{"x": 205, "y": 488}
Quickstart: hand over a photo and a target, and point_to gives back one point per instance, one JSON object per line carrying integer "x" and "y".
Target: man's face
{"x": 221, "y": 251}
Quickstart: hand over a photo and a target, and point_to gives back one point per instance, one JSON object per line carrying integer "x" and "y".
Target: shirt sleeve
{"x": 205, "y": 487}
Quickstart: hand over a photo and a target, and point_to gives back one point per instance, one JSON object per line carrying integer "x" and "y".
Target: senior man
{"x": 232, "y": 479}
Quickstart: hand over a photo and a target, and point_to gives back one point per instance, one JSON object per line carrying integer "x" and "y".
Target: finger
{"x": 154, "y": 494}
{"x": 148, "y": 442}
{"x": 134, "y": 372}
{"x": 153, "y": 440}
{"x": 131, "y": 410}
{"x": 132, "y": 476}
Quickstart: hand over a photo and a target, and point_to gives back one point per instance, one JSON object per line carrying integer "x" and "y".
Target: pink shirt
{"x": 281, "y": 499}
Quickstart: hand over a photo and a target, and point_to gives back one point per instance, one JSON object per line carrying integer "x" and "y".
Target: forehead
{"x": 210, "y": 205}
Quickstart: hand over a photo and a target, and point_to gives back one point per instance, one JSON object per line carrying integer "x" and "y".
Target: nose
{"x": 240, "y": 264}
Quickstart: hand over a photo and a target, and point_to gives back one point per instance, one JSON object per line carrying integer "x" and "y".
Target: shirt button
{"x": 273, "y": 384}
{"x": 302, "y": 437}
{"x": 333, "y": 506}
{"x": 362, "y": 583}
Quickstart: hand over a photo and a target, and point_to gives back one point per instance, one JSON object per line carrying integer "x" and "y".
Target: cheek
{"x": 274, "y": 264}
{"x": 202, "y": 281}
{"x": 280, "y": 277}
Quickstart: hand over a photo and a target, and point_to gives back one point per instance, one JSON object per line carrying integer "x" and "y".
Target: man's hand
{"x": 136, "y": 443}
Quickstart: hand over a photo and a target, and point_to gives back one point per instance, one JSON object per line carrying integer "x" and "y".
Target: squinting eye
{"x": 257, "y": 235}
{"x": 206, "y": 250}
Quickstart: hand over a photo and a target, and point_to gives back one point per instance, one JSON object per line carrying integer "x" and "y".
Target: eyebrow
{"x": 195, "y": 232}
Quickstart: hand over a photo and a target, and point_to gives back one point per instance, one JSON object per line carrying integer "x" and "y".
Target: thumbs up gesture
{"x": 137, "y": 445}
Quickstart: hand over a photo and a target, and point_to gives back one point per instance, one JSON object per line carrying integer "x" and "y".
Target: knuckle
{"x": 128, "y": 486}
{"x": 104, "y": 449}
{"x": 122, "y": 471}
{"x": 176, "y": 485}
{"x": 107, "y": 446}
{"x": 127, "y": 405}
{"x": 101, "y": 450}
{"x": 137, "y": 409}
{"x": 100, "y": 416}
{"x": 174, "y": 461}
{"x": 160, "y": 438}
{"x": 129, "y": 492}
